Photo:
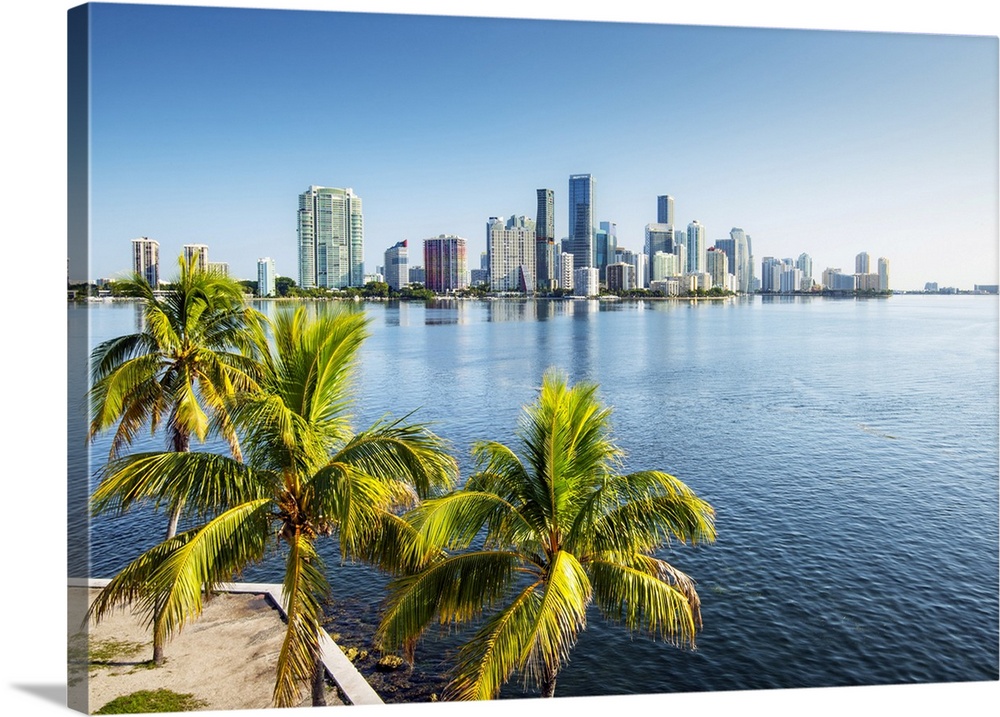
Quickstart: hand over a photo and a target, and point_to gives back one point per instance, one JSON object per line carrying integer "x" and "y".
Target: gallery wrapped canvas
{"x": 427, "y": 358}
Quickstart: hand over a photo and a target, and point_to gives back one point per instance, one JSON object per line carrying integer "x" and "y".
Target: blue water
{"x": 850, "y": 448}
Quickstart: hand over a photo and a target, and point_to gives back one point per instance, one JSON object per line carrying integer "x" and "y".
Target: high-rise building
{"x": 605, "y": 243}
{"x": 883, "y": 274}
{"x": 665, "y": 209}
{"x": 585, "y": 281}
{"x": 659, "y": 238}
{"x": 511, "y": 246}
{"x": 397, "y": 275}
{"x": 739, "y": 259}
{"x": 695, "y": 248}
{"x": 545, "y": 240}
{"x": 200, "y": 252}
{"x": 266, "y": 275}
{"x": 717, "y": 264}
{"x": 445, "y": 266}
{"x": 862, "y": 263}
{"x": 331, "y": 238}
{"x": 663, "y": 266}
{"x": 805, "y": 264}
{"x": 581, "y": 219}
{"x": 146, "y": 260}
{"x": 566, "y": 270}
{"x": 219, "y": 267}
{"x": 417, "y": 275}
{"x": 621, "y": 276}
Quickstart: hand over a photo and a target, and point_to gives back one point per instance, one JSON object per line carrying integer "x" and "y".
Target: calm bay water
{"x": 850, "y": 448}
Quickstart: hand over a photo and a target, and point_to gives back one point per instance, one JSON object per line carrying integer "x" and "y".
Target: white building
{"x": 146, "y": 260}
{"x": 397, "y": 273}
{"x": 266, "y": 275}
{"x": 331, "y": 238}
{"x": 664, "y": 265}
{"x": 200, "y": 252}
{"x": 586, "y": 281}
{"x": 717, "y": 265}
{"x": 695, "y": 247}
{"x": 565, "y": 270}
{"x": 512, "y": 255}
{"x": 883, "y": 274}
{"x": 862, "y": 263}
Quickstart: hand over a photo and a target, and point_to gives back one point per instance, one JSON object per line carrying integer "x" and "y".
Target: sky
{"x": 34, "y": 219}
{"x": 207, "y": 123}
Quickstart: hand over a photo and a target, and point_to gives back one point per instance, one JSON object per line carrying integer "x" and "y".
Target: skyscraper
{"x": 266, "y": 274}
{"x": 659, "y": 238}
{"x": 862, "y": 263}
{"x": 605, "y": 244}
{"x": 397, "y": 275}
{"x": 581, "y": 219}
{"x": 146, "y": 260}
{"x": 511, "y": 247}
{"x": 445, "y": 264}
{"x": 883, "y": 274}
{"x": 545, "y": 240}
{"x": 200, "y": 251}
{"x": 665, "y": 209}
{"x": 805, "y": 264}
{"x": 740, "y": 261}
{"x": 331, "y": 238}
{"x": 695, "y": 248}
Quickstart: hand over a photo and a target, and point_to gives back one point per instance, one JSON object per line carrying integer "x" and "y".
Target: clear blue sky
{"x": 208, "y": 122}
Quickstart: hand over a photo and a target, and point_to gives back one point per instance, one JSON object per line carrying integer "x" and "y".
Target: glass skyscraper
{"x": 331, "y": 238}
{"x": 665, "y": 209}
{"x": 581, "y": 219}
{"x": 545, "y": 240}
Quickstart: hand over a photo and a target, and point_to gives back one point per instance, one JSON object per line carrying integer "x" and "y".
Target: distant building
{"x": 545, "y": 240}
{"x": 200, "y": 254}
{"x": 621, "y": 277}
{"x": 585, "y": 282}
{"x": 741, "y": 261}
{"x": 862, "y": 263}
{"x": 805, "y": 264}
{"x": 512, "y": 255}
{"x": 664, "y": 265}
{"x": 883, "y": 274}
{"x": 331, "y": 238}
{"x": 397, "y": 274}
{"x": 566, "y": 268}
{"x": 665, "y": 209}
{"x": 146, "y": 260}
{"x": 931, "y": 286}
{"x": 266, "y": 275}
{"x": 605, "y": 243}
{"x": 219, "y": 267}
{"x": 695, "y": 247}
{"x": 417, "y": 275}
{"x": 445, "y": 263}
{"x": 581, "y": 219}
{"x": 835, "y": 280}
{"x": 986, "y": 288}
{"x": 659, "y": 238}
{"x": 717, "y": 264}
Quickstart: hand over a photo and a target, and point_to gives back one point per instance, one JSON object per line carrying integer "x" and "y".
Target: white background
{"x": 32, "y": 393}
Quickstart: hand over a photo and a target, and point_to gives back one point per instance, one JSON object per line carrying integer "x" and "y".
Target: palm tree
{"x": 539, "y": 537}
{"x": 196, "y": 351}
{"x": 307, "y": 474}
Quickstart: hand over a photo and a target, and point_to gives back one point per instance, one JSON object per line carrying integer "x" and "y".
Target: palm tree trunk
{"x": 549, "y": 681}
{"x": 318, "y": 683}
{"x": 158, "y": 637}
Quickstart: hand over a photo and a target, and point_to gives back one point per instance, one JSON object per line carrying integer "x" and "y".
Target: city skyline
{"x": 809, "y": 141}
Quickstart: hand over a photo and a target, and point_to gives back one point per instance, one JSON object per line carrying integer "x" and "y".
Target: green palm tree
{"x": 537, "y": 538}
{"x": 307, "y": 474}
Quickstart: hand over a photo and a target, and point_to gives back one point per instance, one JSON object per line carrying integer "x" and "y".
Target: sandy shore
{"x": 226, "y": 658}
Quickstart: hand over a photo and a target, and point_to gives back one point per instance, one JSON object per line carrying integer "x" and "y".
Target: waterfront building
{"x": 445, "y": 263}
{"x": 659, "y": 238}
{"x": 805, "y": 264}
{"x": 545, "y": 240}
{"x": 717, "y": 266}
{"x": 605, "y": 246}
{"x": 146, "y": 260}
{"x": 331, "y": 238}
{"x": 511, "y": 246}
{"x": 836, "y": 280}
{"x": 621, "y": 276}
{"x": 417, "y": 275}
{"x": 790, "y": 280}
{"x": 566, "y": 270}
{"x": 883, "y": 274}
{"x": 667, "y": 287}
{"x": 585, "y": 282}
{"x": 266, "y": 275}
{"x": 397, "y": 274}
{"x": 866, "y": 282}
{"x": 478, "y": 277}
{"x": 219, "y": 267}
{"x": 770, "y": 274}
{"x": 695, "y": 247}
{"x": 641, "y": 264}
{"x": 862, "y": 263}
{"x": 981, "y": 288}
{"x": 581, "y": 219}
{"x": 200, "y": 254}
{"x": 737, "y": 248}
{"x": 665, "y": 209}
{"x": 664, "y": 265}
{"x": 931, "y": 286}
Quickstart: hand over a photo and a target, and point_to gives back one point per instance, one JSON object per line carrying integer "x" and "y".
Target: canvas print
{"x": 423, "y": 358}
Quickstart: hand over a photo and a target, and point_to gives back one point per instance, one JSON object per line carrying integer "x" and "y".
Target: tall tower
{"x": 200, "y": 251}
{"x": 581, "y": 219}
{"x": 862, "y": 263}
{"x": 266, "y": 274}
{"x": 605, "y": 244}
{"x": 545, "y": 240}
{"x": 695, "y": 247}
{"x": 742, "y": 262}
{"x": 883, "y": 274}
{"x": 331, "y": 238}
{"x": 146, "y": 260}
{"x": 665, "y": 209}
{"x": 444, "y": 263}
{"x": 512, "y": 254}
{"x": 397, "y": 275}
